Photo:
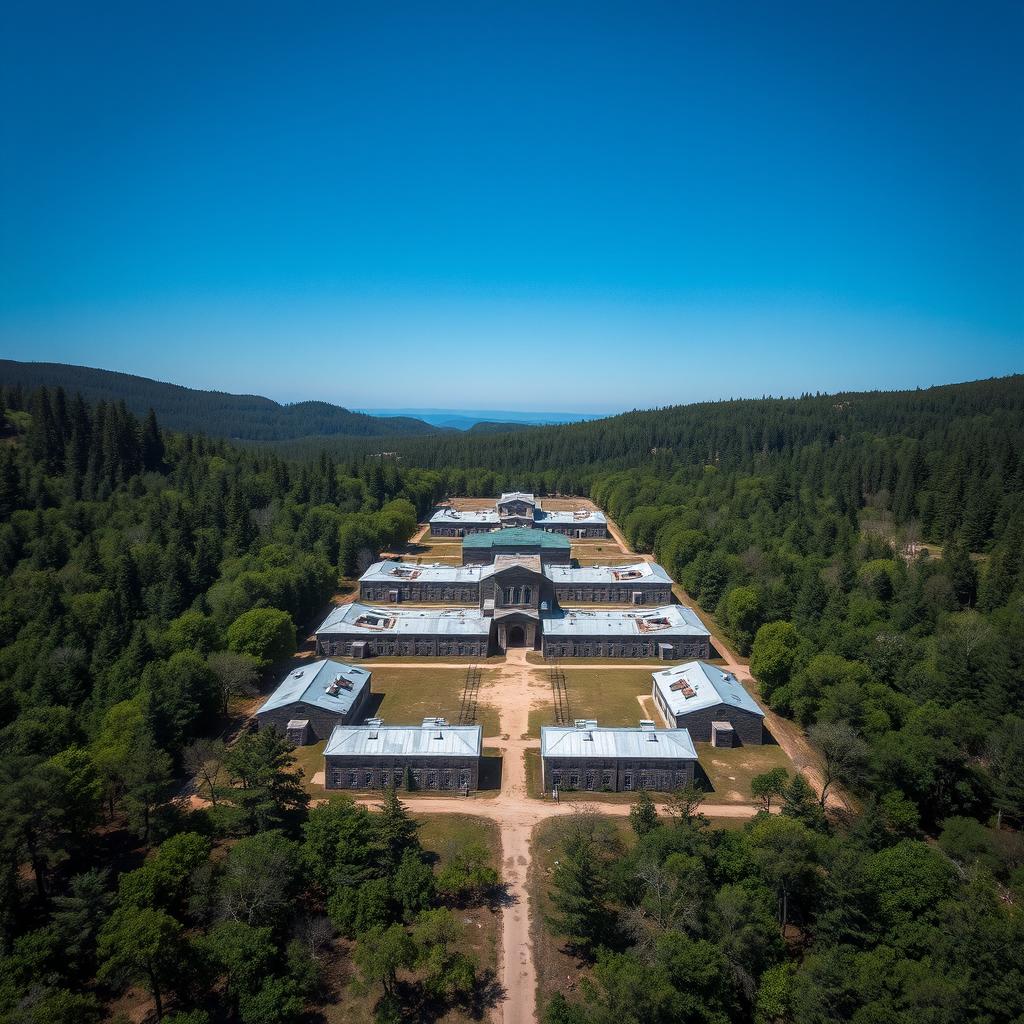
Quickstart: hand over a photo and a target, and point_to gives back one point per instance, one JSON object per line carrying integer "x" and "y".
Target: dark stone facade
{"x": 362, "y": 771}
{"x": 486, "y": 555}
{"x": 748, "y": 727}
{"x": 459, "y": 529}
{"x": 384, "y": 644}
{"x": 321, "y": 721}
{"x": 382, "y": 592}
{"x": 652, "y": 593}
{"x": 680, "y": 648}
{"x": 617, "y": 775}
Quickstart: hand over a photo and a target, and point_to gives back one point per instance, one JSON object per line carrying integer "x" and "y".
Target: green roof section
{"x": 516, "y": 536}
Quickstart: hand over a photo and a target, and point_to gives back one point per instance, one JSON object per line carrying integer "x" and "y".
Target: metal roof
{"x": 309, "y": 684}
{"x": 418, "y": 740}
{"x": 517, "y": 496}
{"x": 454, "y": 515}
{"x": 582, "y": 517}
{"x": 588, "y": 740}
{"x": 516, "y": 536}
{"x": 709, "y": 687}
{"x": 368, "y": 621}
{"x": 399, "y": 572}
{"x": 669, "y": 620}
{"x": 635, "y": 572}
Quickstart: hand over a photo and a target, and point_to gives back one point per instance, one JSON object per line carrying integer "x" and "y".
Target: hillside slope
{"x": 242, "y": 417}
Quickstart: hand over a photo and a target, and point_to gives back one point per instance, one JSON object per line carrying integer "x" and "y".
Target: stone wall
{"x": 632, "y": 646}
{"x": 363, "y": 771}
{"x": 654, "y": 594}
{"x": 381, "y": 592}
{"x": 616, "y": 775}
{"x": 339, "y": 645}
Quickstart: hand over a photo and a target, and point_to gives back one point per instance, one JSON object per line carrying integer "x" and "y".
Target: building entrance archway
{"x": 516, "y": 637}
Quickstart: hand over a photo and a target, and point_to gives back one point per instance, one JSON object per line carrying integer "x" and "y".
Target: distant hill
{"x": 487, "y": 427}
{"x": 242, "y": 417}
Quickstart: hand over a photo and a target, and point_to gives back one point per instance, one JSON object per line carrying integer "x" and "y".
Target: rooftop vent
{"x": 646, "y": 724}
{"x": 375, "y": 722}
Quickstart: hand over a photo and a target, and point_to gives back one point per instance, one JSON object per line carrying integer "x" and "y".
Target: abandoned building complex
{"x": 311, "y": 700}
{"x": 516, "y": 605}
{"x": 639, "y": 583}
{"x": 588, "y": 757}
{"x": 482, "y": 548}
{"x": 711, "y": 705}
{"x": 517, "y": 509}
{"x": 430, "y": 756}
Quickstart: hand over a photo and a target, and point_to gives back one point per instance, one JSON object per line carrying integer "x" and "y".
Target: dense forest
{"x": 866, "y": 551}
{"x": 150, "y": 578}
{"x": 214, "y": 413}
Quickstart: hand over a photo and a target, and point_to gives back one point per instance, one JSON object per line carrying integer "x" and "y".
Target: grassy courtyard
{"x": 405, "y": 696}
{"x": 609, "y": 695}
{"x": 729, "y": 771}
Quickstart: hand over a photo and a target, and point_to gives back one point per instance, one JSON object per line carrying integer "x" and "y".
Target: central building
{"x": 518, "y": 509}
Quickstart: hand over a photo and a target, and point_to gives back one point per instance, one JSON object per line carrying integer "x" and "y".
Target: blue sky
{"x": 582, "y": 206}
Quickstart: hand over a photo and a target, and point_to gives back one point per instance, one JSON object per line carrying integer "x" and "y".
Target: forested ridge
{"x": 215, "y": 413}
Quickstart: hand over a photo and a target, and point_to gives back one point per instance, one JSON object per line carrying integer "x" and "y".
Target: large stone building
{"x": 517, "y": 509}
{"x": 482, "y": 548}
{"x": 312, "y": 699}
{"x": 361, "y": 631}
{"x": 669, "y": 633}
{"x": 588, "y": 757}
{"x": 712, "y": 705}
{"x": 640, "y": 583}
{"x": 516, "y": 607}
{"x": 431, "y": 756}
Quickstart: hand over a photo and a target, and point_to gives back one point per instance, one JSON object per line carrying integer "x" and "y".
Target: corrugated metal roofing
{"x": 679, "y": 621}
{"x": 393, "y": 740}
{"x": 397, "y": 572}
{"x": 309, "y": 684}
{"x": 440, "y": 621}
{"x": 516, "y": 536}
{"x": 649, "y": 572}
{"x": 584, "y": 517}
{"x": 455, "y": 516}
{"x": 565, "y": 741}
{"x": 711, "y": 687}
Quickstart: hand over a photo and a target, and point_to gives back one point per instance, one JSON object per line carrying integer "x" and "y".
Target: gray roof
{"x": 454, "y": 516}
{"x": 363, "y": 619}
{"x": 309, "y": 684}
{"x": 419, "y": 740}
{"x": 669, "y": 620}
{"x": 709, "y": 687}
{"x": 589, "y": 740}
{"x": 396, "y": 572}
{"x": 581, "y": 517}
{"x": 635, "y": 572}
{"x": 517, "y": 496}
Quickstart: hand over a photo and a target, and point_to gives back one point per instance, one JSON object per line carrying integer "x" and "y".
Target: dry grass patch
{"x": 730, "y": 770}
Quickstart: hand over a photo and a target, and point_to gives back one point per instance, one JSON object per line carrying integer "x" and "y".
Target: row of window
{"x": 384, "y": 778}
{"x": 604, "y": 779}
{"x": 516, "y": 595}
{"x": 421, "y": 648}
{"x": 600, "y": 650}
{"x": 467, "y": 595}
{"x": 624, "y": 595}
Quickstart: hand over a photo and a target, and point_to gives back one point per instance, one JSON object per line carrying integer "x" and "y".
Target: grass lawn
{"x": 609, "y": 695}
{"x": 445, "y": 834}
{"x": 408, "y": 695}
{"x": 729, "y": 771}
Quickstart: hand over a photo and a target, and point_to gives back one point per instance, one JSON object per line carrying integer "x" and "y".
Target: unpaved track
{"x": 513, "y": 688}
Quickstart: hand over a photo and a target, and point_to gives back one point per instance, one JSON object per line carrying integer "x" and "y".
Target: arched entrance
{"x": 516, "y": 637}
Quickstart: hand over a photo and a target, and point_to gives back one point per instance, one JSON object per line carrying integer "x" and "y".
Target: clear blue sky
{"x": 586, "y": 206}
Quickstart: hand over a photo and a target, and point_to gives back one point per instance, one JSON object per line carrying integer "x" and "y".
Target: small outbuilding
{"x": 585, "y": 756}
{"x": 313, "y": 698}
{"x": 713, "y": 705}
{"x": 430, "y": 756}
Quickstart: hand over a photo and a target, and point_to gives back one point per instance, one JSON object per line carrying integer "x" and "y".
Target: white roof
{"x": 368, "y": 621}
{"x": 709, "y": 687}
{"x": 635, "y": 572}
{"x": 669, "y": 620}
{"x": 581, "y": 517}
{"x": 517, "y": 496}
{"x": 396, "y": 572}
{"x": 452, "y": 515}
{"x": 309, "y": 684}
{"x": 593, "y": 741}
{"x": 420, "y": 740}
